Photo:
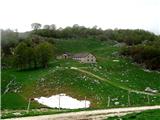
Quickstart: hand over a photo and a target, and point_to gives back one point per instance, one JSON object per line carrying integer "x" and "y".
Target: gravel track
{"x": 90, "y": 115}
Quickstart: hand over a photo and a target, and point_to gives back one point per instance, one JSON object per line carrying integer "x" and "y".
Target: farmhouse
{"x": 84, "y": 58}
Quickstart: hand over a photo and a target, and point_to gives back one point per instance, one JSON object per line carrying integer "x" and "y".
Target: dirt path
{"x": 90, "y": 115}
{"x": 112, "y": 83}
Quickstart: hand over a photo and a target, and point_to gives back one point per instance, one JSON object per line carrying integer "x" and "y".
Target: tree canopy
{"x": 30, "y": 55}
{"x": 36, "y": 26}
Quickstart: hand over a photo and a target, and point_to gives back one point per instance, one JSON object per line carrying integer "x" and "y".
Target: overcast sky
{"x": 133, "y": 14}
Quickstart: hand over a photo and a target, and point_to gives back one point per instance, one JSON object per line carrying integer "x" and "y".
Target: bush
{"x": 148, "y": 55}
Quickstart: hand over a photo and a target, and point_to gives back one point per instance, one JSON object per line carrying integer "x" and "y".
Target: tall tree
{"x": 53, "y": 27}
{"x": 46, "y": 27}
{"x": 20, "y": 56}
{"x": 44, "y": 53}
{"x": 36, "y": 26}
{"x": 9, "y": 40}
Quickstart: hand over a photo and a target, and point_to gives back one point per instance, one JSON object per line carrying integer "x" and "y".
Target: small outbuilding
{"x": 65, "y": 55}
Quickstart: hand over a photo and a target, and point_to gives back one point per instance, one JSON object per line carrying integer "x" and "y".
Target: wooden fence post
{"x": 85, "y": 102}
{"x": 148, "y": 99}
{"x": 59, "y": 101}
{"x": 109, "y": 99}
{"x": 129, "y": 102}
{"x": 29, "y": 102}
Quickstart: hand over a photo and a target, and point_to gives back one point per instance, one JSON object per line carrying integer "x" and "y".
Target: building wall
{"x": 88, "y": 59}
{"x": 63, "y": 56}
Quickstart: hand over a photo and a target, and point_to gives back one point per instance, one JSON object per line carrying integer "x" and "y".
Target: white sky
{"x": 143, "y": 14}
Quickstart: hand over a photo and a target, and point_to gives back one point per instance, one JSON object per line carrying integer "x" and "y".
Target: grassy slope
{"x": 46, "y": 82}
{"x": 146, "y": 115}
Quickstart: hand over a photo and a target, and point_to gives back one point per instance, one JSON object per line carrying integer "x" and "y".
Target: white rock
{"x": 148, "y": 89}
{"x": 42, "y": 79}
{"x": 100, "y": 67}
{"x": 74, "y": 68}
{"x": 114, "y": 99}
{"x": 116, "y": 103}
{"x": 57, "y": 66}
{"x": 147, "y": 70}
{"x": 17, "y": 114}
{"x": 115, "y": 60}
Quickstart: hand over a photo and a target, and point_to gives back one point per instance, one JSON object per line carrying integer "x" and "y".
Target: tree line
{"x": 27, "y": 57}
{"x": 128, "y": 36}
{"x": 29, "y": 52}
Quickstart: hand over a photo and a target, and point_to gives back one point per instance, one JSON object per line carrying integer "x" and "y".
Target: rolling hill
{"x": 114, "y": 81}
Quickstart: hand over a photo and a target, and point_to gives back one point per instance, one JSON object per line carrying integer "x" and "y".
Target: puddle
{"x": 63, "y": 101}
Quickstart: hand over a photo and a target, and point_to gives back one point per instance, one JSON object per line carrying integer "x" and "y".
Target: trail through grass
{"x": 113, "y": 83}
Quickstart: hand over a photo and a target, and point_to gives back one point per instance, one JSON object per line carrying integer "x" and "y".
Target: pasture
{"x": 19, "y": 86}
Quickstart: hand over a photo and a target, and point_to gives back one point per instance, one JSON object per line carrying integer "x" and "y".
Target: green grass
{"x": 33, "y": 112}
{"x": 12, "y": 100}
{"x": 79, "y": 45}
{"x": 127, "y": 74}
{"x": 146, "y": 115}
{"x": 59, "y": 78}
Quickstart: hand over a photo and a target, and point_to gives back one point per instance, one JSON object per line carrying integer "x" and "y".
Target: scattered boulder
{"x": 147, "y": 70}
{"x": 57, "y": 67}
{"x": 114, "y": 99}
{"x": 17, "y": 114}
{"x": 42, "y": 79}
{"x": 116, "y": 103}
{"x": 145, "y": 42}
{"x": 120, "y": 45}
{"x": 100, "y": 67}
{"x": 115, "y": 60}
{"x": 148, "y": 89}
{"x": 115, "y": 53}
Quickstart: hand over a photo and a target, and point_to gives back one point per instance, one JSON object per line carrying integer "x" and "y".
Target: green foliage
{"x": 14, "y": 101}
{"x": 21, "y": 55}
{"x": 147, "y": 55}
{"x": 37, "y": 50}
{"x": 29, "y": 56}
{"x": 6, "y": 62}
{"x": 36, "y": 26}
{"x": 44, "y": 51}
{"x": 9, "y": 40}
{"x": 130, "y": 37}
{"x": 69, "y": 32}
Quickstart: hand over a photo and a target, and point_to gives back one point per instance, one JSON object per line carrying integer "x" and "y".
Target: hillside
{"x": 121, "y": 82}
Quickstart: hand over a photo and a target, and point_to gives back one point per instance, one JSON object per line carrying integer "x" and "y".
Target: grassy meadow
{"x": 19, "y": 86}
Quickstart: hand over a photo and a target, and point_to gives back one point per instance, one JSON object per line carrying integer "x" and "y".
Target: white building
{"x": 84, "y": 58}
